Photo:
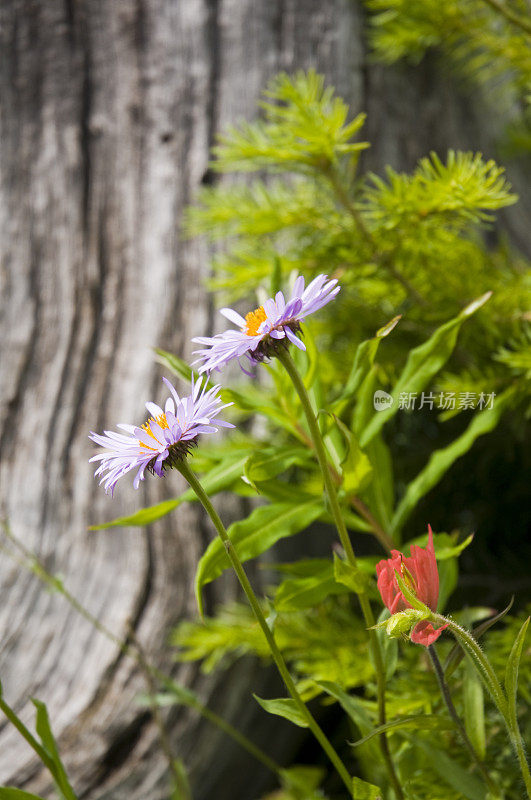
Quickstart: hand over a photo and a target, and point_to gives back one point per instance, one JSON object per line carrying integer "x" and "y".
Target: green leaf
{"x": 456, "y": 654}
{"x": 422, "y": 364}
{"x": 441, "y": 460}
{"x": 253, "y": 536}
{"x": 348, "y": 575}
{"x": 269, "y": 462}
{"x": 355, "y": 709}
{"x": 10, "y": 793}
{"x": 44, "y": 731}
{"x": 511, "y": 670}
{"x": 304, "y": 779}
{"x": 176, "y": 364}
{"x": 307, "y": 592}
{"x": 452, "y": 772}
{"x": 216, "y": 480}
{"x": 417, "y": 722}
{"x": 356, "y": 467}
{"x": 361, "y": 790}
{"x": 363, "y": 361}
{"x": 474, "y": 702}
{"x": 379, "y": 495}
{"x": 284, "y": 707}
{"x": 388, "y": 646}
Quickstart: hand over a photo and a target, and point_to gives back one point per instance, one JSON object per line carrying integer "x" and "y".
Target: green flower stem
{"x": 133, "y": 650}
{"x": 319, "y": 734}
{"x": 289, "y": 365}
{"x": 28, "y": 736}
{"x": 445, "y": 692}
{"x": 485, "y": 669}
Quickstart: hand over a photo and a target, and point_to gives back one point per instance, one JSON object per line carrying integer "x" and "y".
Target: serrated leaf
{"x": 284, "y": 707}
{"x": 216, "y": 480}
{"x": 253, "y": 536}
{"x": 361, "y": 790}
{"x": 44, "y": 731}
{"x": 422, "y": 364}
{"x": 441, "y": 460}
{"x": 511, "y": 670}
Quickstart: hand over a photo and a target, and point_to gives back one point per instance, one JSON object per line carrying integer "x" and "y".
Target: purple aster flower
{"x": 162, "y": 441}
{"x": 269, "y": 327}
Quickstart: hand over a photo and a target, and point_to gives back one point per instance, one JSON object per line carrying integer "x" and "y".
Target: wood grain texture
{"x": 108, "y": 112}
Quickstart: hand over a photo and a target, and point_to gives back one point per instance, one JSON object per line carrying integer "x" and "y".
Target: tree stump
{"x": 109, "y": 110}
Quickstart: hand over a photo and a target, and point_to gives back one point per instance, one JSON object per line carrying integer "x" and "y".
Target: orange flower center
{"x": 254, "y": 319}
{"x": 162, "y": 421}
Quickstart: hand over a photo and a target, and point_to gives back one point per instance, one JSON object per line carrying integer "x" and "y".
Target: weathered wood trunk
{"x": 108, "y": 112}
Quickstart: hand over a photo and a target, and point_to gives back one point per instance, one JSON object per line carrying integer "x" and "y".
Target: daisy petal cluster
{"x": 267, "y": 328}
{"x": 162, "y": 441}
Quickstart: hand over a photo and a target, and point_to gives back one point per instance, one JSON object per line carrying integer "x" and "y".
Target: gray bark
{"x": 108, "y": 112}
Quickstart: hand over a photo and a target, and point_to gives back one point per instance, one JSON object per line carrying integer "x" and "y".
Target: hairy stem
{"x": 320, "y": 451}
{"x": 445, "y": 692}
{"x": 485, "y": 669}
{"x": 319, "y": 734}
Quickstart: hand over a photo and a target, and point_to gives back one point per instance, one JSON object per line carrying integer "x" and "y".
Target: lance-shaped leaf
{"x": 441, "y": 460}
{"x": 474, "y": 709}
{"x": 10, "y": 793}
{"x": 362, "y": 790}
{"x": 253, "y": 536}
{"x": 511, "y": 671}
{"x": 284, "y": 707}
{"x": 308, "y": 591}
{"x": 44, "y": 731}
{"x": 216, "y": 480}
{"x": 267, "y": 463}
{"x": 422, "y": 364}
{"x": 363, "y": 361}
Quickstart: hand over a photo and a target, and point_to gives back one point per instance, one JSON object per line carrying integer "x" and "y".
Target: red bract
{"x": 419, "y": 572}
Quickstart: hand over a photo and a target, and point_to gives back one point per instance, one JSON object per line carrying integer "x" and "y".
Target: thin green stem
{"x": 518, "y": 745}
{"x": 485, "y": 669}
{"x": 289, "y": 365}
{"x": 28, "y": 736}
{"x": 470, "y": 645}
{"x": 319, "y": 734}
{"x": 447, "y": 697}
{"x": 133, "y": 651}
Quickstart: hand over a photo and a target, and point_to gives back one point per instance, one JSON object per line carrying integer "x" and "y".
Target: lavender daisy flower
{"x": 162, "y": 441}
{"x": 269, "y": 327}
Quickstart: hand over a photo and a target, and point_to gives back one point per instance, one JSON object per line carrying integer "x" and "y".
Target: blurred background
{"x": 108, "y": 114}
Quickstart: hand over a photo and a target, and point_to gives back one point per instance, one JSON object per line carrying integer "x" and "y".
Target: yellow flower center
{"x": 254, "y": 319}
{"x": 162, "y": 421}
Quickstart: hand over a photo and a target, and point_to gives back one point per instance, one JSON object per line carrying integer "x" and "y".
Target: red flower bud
{"x": 419, "y": 572}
